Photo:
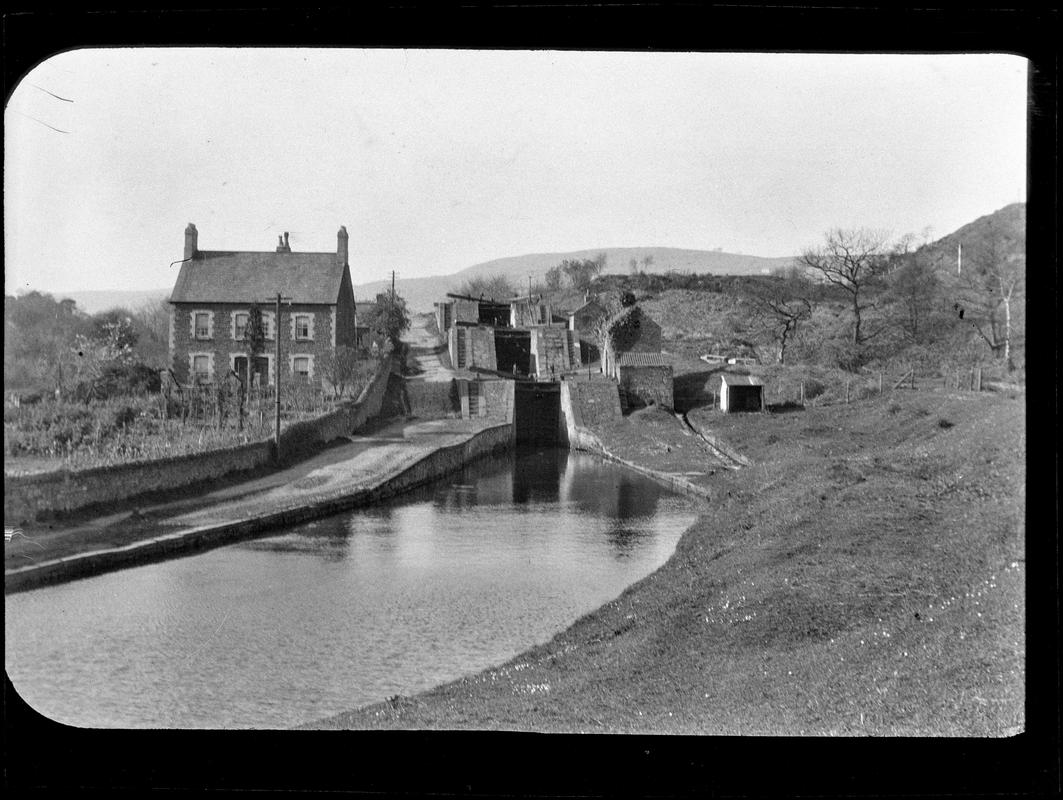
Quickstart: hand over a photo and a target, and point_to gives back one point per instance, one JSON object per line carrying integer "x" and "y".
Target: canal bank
{"x": 389, "y": 460}
{"x": 851, "y": 583}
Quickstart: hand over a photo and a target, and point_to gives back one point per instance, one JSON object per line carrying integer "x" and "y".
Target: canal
{"x": 442, "y": 582}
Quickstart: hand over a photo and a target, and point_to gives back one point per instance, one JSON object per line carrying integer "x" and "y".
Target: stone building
{"x": 212, "y": 300}
{"x": 630, "y": 330}
{"x": 645, "y": 378}
{"x": 583, "y": 323}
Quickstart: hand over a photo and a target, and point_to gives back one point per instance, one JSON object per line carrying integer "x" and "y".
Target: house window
{"x": 301, "y": 367}
{"x": 202, "y": 325}
{"x": 201, "y": 369}
{"x": 240, "y": 325}
{"x": 302, "y": 326}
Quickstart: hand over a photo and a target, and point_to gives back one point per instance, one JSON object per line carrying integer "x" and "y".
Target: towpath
{"x": 336, "y": 478}
{"x": 427, "y": 357}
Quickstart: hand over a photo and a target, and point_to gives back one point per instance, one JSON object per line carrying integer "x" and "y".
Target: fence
{"x": 232, "y": 403}
{"x": 799, "y": 389}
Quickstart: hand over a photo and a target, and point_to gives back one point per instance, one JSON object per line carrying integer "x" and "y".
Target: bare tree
{"x": 995, "y": 276}
{"x": 492, "y": 287}
{"x": 854, "y": 260}
{"x": 779, "y": 306}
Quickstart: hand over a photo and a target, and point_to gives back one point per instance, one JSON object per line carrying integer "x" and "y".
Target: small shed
{"x": 741, "y": 393}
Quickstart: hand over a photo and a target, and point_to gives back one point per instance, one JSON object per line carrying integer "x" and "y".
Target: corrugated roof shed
{"x": 214, "y": 276}
{"x": 644, "y": 360}
{"x": 741, "y": 380}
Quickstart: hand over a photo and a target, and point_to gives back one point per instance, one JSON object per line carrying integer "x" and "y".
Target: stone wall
{"x": 433, "y": 399}
{"x": 552, "y": 352}
{"x": 27, "y": 497}
{"x": 585, "y": 404}
{"x": 480, "y": 344}
{"x": 643, "y": 385}
{"x": 465, "y": 311}
{"x": 499, "y": 397}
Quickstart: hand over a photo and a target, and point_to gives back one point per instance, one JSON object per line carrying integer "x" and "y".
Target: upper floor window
{"x": 240, "y": 325}
{"x": 202, "y": 325}
{"x": 302, "y": 326}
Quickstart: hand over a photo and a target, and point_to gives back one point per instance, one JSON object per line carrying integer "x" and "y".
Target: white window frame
{"x": 234, "y": 330}
{"x": 270, "y": 324}
{"x": 309, "y": 317}
{"x": 309, "y": 364}
{"x": 193, "y": 373}
{"x": 193, "y": 329}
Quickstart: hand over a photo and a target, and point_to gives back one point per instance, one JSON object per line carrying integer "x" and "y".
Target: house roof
{"x": 589, "y": 305}
{"x": 644, "y": 360}
{"x": 741, "y": 380}
{"x": 214, "y": 276}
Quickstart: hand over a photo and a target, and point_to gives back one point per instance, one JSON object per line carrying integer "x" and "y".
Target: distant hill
{"x": 420, "y": 293}
{"x": 96, "y": 300}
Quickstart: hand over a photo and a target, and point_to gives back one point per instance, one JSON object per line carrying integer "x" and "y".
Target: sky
{"x": 436, "y": 160}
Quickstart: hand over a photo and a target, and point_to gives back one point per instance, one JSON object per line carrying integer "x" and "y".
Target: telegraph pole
{"x": 277, "y": 373}
{"x": 277, "y": 378}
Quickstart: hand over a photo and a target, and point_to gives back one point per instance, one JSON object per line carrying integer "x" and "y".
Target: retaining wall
{"x": 28, "y": 497}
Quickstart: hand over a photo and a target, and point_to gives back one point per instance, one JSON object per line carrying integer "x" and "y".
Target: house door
{"x": 260, "y": 371}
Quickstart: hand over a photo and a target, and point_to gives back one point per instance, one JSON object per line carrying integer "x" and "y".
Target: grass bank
{"x": 865, "y": 577}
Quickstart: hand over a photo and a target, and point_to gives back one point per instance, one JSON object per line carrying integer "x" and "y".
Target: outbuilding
{"x": 741, "y": 393}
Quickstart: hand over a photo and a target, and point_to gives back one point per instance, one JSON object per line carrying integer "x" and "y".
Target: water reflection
{"x": 446, "y": 580}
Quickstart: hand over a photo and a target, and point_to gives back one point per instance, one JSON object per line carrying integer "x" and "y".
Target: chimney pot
{"x": 341, "y": 245}
{"x": 282, "y": 243}
{"x": 191, "y": 241}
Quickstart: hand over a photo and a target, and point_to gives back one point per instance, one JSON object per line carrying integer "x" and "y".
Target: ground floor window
{"x": 201, "y": 368}
{"x": 301, "y": 367}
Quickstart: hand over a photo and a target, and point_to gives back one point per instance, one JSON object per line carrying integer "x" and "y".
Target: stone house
{"x": 212, "y": 299}
{"x": 583, "y": 323}
{"x": 630, "y": 330}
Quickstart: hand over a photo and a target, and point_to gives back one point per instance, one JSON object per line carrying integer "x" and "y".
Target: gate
{"x": 537, "y": 412}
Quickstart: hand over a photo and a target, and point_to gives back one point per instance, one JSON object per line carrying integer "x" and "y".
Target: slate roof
{"x": 644, "y": 360}
{"x": 214, "y": 276}
{"x": 741, "y": 380}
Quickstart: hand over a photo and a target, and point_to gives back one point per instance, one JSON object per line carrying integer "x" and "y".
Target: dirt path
{"x": 427, "y": 359}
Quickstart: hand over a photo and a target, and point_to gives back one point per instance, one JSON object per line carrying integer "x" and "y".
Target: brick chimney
{"x": 191, "y": 241}
{"x": 341, "y": 245}
{"x": 282, "y": 244}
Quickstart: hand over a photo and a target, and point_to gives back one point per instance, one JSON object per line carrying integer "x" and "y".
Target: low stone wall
{"x": 437, "y": 463}
{"x": 430, "y": 399}
{"x": 586, "y": 403}
{"x": 28, "y": 497}
{"x": 302, "y": 437}
{"x": 642, "y": 385}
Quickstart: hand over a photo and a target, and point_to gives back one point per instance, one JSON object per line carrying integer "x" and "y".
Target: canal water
{"x": 441, "y": 582}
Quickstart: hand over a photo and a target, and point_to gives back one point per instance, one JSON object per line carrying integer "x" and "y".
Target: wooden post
{"x": 847, "y": 392}
{"x": 913, "y": 378}
{"x": 978, "y": 379}
{"x": 802, "y": 393}
{"x": 880, "y": 382}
